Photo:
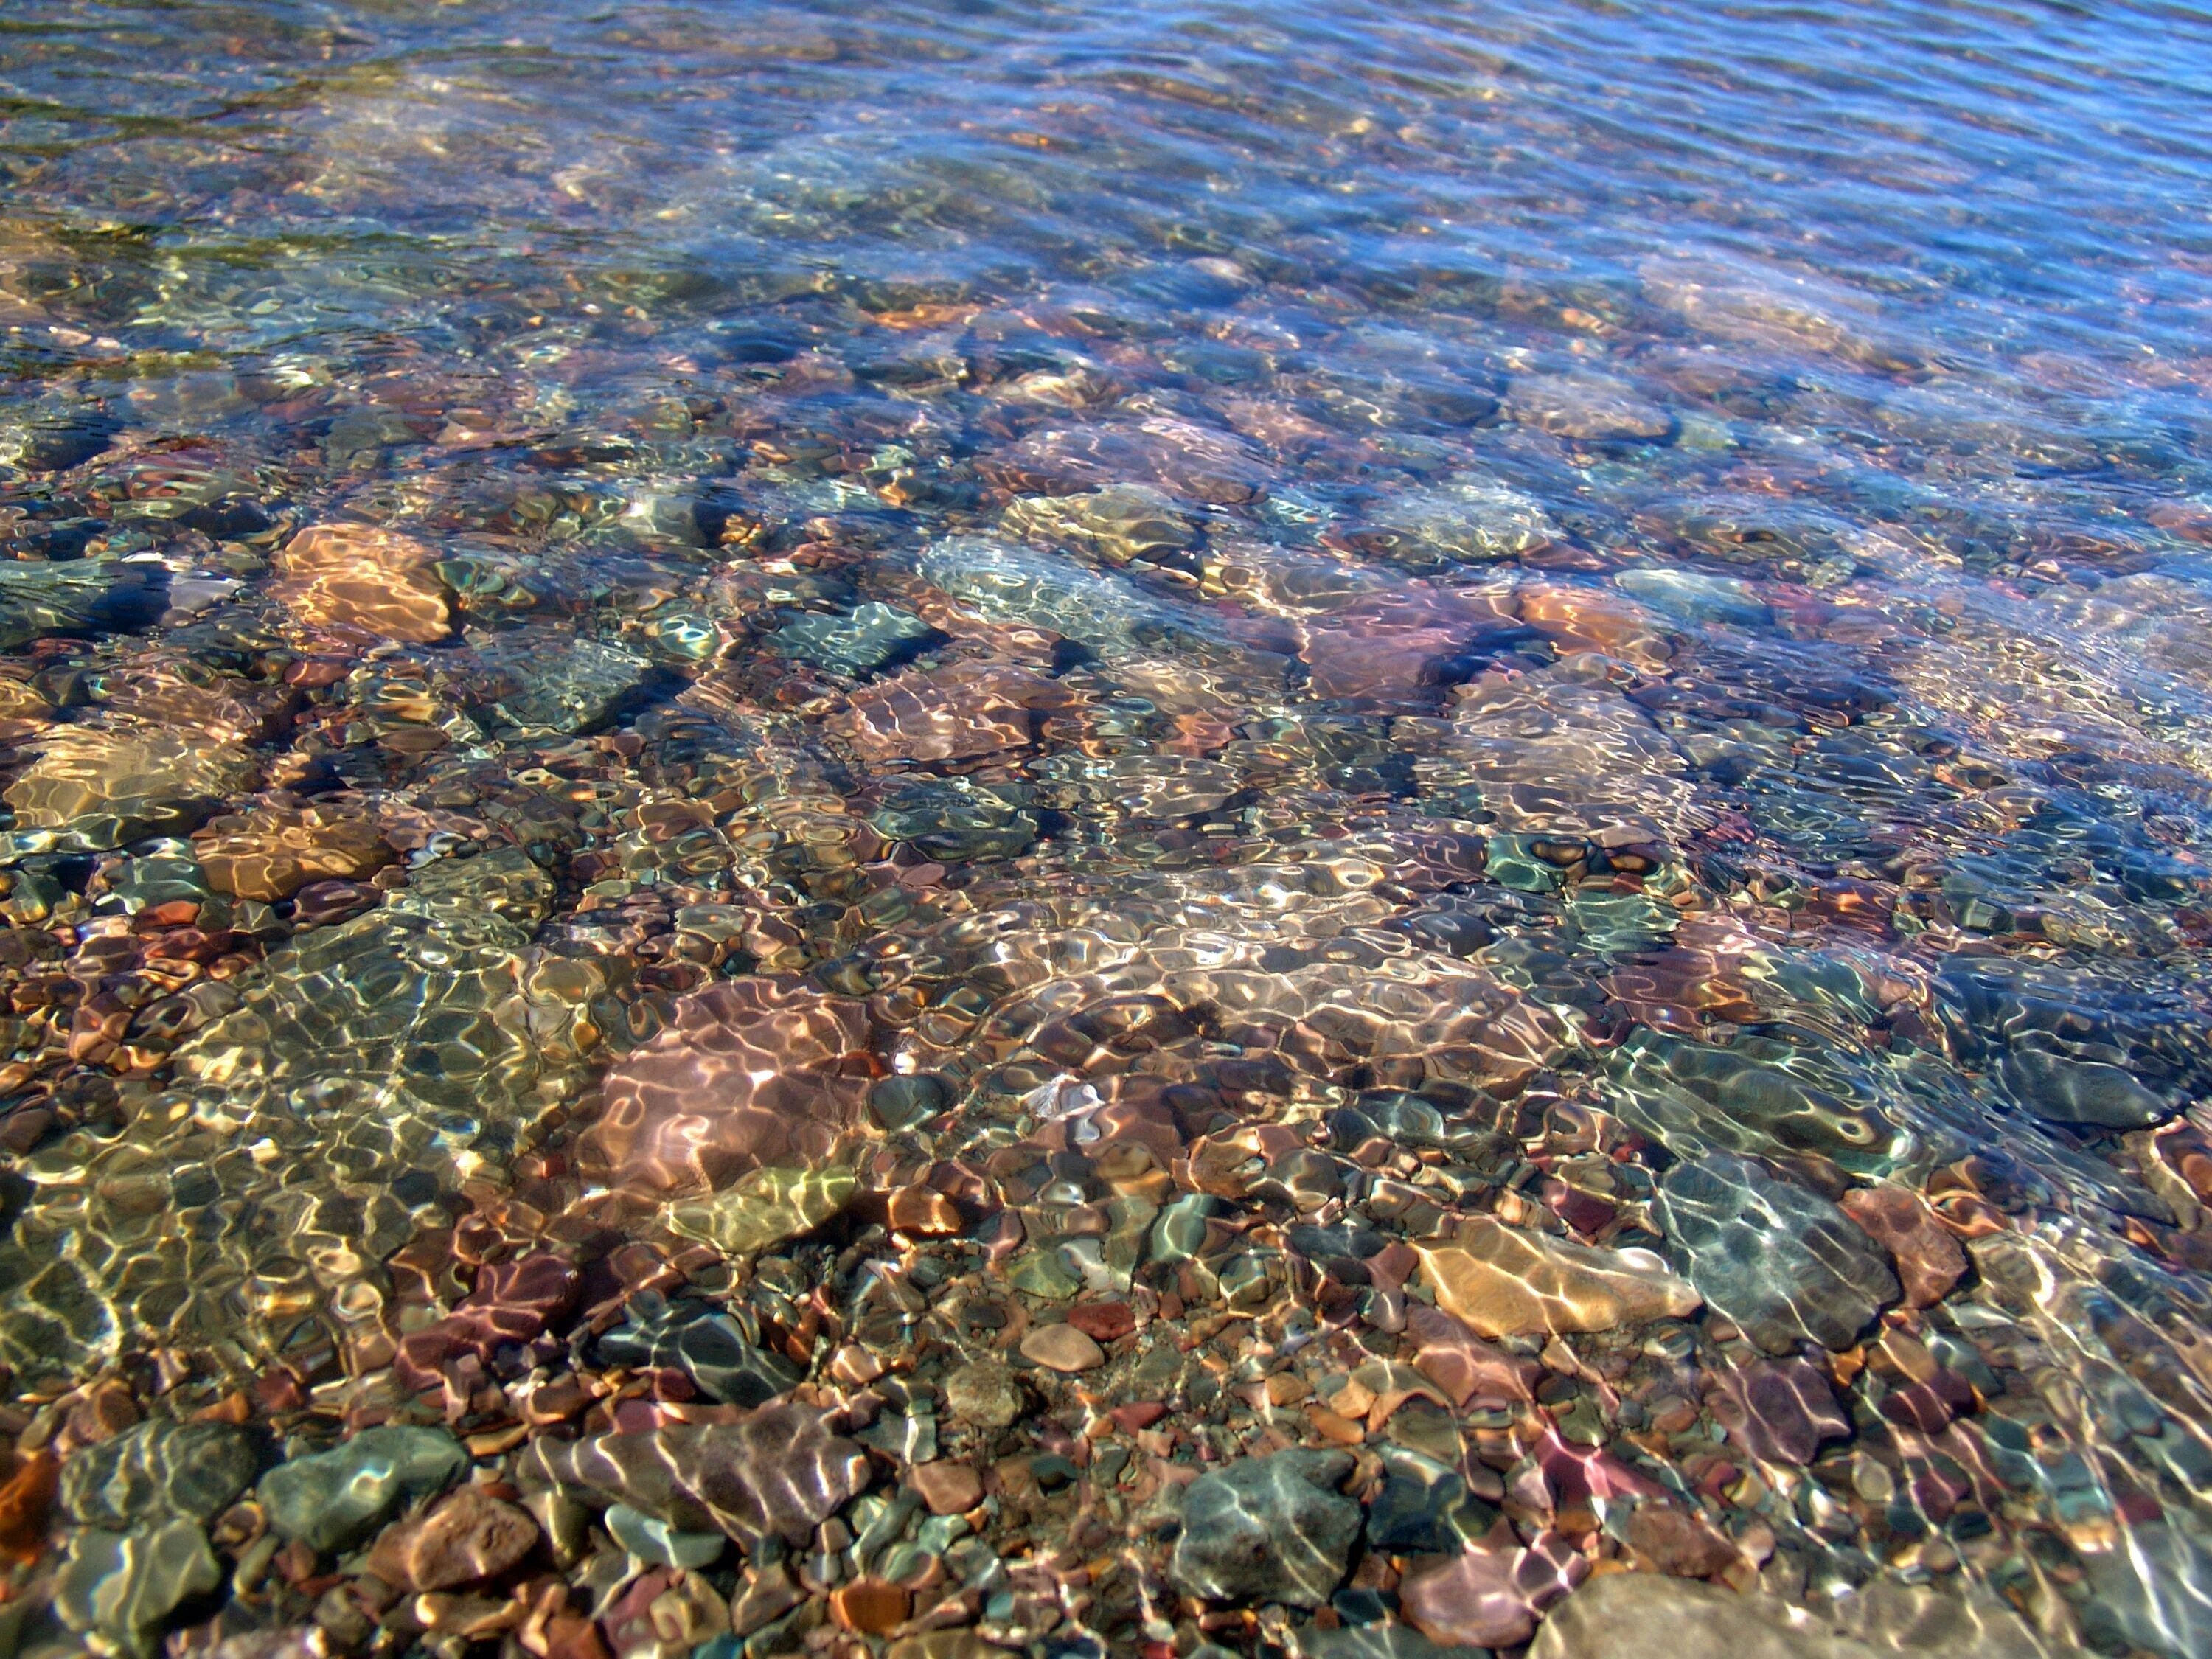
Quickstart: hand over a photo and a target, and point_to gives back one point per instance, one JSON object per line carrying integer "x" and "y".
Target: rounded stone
{"x": 656, "y": 1542}
{"x": 1268, "y": 1529}
{"x": 1062, "y": 1348}
{"x": 947, "y": 1488}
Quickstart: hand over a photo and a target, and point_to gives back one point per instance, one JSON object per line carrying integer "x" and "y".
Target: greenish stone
{"x": 1041, "y": 1274}
{"x": 764, "y": 1207}
{"x": 116, "y": 1587}
{"x": 654, "y": 1540}
{"x": 332, "y": 1499}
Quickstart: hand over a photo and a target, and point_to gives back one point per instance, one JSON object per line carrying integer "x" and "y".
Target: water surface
{"x": 1010, "y": 754}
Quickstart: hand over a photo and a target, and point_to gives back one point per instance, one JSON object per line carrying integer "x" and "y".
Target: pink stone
{"x": 750, "y": 1073}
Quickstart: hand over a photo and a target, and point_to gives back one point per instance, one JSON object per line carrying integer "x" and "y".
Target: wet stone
{"x": 763, "y": 1208}
{"x": 1122, "y": 523}
{"x": 158, "y": 1470}
{"x": 1927, "y": 1259}
{"x": 872, "y": 637}
{"x": 709, "y": 1348}
{"x": 1424, "y": 1507}
{"x": 38, "y": 599}
{"x": 1464, "y": 520}
{"x": 654, "y": 1540}
{"x": 748, "y": 1074}
{"x": 119, "y": 1587}
{"x": 1373, "y": 1641}
{"x": 365, "y": 578}
{"x": 466, "y": 1535}
{"x": 1061, "y": 1347}
{"x": 545, "y": 684}
{"x": 1783, "y": 1263}
{"x": 1268, "y": 1529}
{"x": 779, "y": 1471}
{"x": 983, "y": 1391}
{"x": 947, "y": 1488}
{"x": 1503, "y": 1280}
{"x": 104, "y": 786}
{"x": 329, "y": 1499}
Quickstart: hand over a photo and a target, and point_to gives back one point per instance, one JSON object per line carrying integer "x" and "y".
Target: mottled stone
{"x": 74, "y": 595}
{"x": 1930, "y": 1259}
{"x": 328, "y": 1500}
{"x": 158, "y": 1470}
{"x": 1464, "y": 520}
{"x": 1502, "y": 1281}
{"x": 872, "y": 637}
{"x": 118, "y": 1588}
{"x": 1593, "y": 407}
{"x": 653, "y": 1539}
{"x": 1121, "y": 524}
{"x": 749, "y": 1074}
{"x": 272, "y": 852}
{"x": 709, "y": 1348}
{"x": 1268, "y": 1529}
{"x": 105, "y": 785}
{"x": 464, "y": 1536}
{"x": 983, "y": 1391}
{"x": 763, "y": 1208}
{"x": 1372, "y": 1642}
{"x": 1781, "y": 1411}
{"x": 1634, "y": 1613}
{"x": 1424, "y": 1507}
{"x": 538, "y": 683}
{"x": 777, "y": 1471}
{"x": 1623, "y": 1613}
{"x": 1675, "y": 1542}
{"x": 1783, "y": 1263}
{"x": 1489, "y": 1593}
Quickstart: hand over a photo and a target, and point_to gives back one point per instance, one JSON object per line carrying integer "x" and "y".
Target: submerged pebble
{"x": 955, "y": 834}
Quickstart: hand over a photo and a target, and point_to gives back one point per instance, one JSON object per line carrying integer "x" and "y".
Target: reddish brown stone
{"x": 1780, "y": 1412}
{"x": 512, "y": 1305}
{"x": 26, "y": 1497}
{"x": 467, "y": 1535}
{"x": 1137, "y": 1417}
{"x": 1461, "y": 1363}
{"x": 1105, "y": 1321}
{"x": 925, "y": 1213}
{"x": 871, "y": 1606}
{"x": 1929, "y": 1260}
{"x": 947, "y": 1488}
{"x": 1488, "y": 1595}
{"x": 1684, "y": 1546}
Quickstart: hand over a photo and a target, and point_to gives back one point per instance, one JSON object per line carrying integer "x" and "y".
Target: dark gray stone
{"x": 705, "y": 1344}
{"x": 1269, "y": 1530}
{"x": 160, "y": 1470}
{"x": 1783, "y": 1263}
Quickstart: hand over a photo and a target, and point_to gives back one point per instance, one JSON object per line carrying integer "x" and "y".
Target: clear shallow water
{"x": 1480, "y": 736}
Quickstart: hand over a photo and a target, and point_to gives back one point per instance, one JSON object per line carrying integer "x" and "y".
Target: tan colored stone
{"x": 1504, "y": 1281}
{"x": 1062, "y": 1348}
{"x": 365, "y": 577}
{"x": 273, "y": 852}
